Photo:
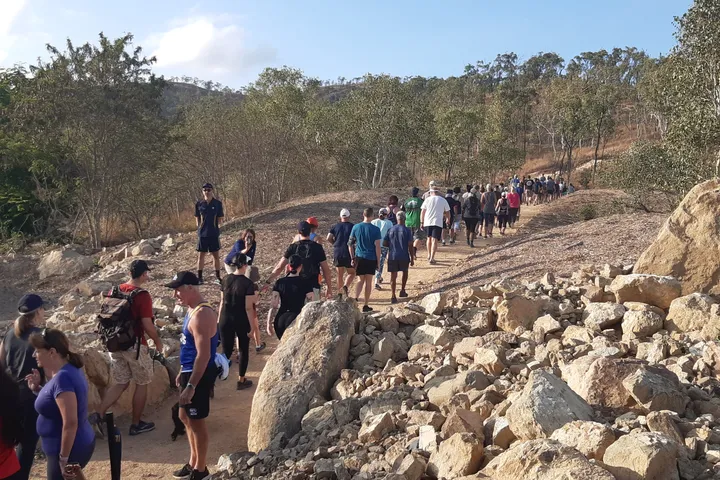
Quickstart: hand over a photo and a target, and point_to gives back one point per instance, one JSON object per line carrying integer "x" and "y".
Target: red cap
{"x": 313, "y": 221}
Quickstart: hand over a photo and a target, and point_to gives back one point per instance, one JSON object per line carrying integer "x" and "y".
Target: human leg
{"x": 368, "y": 288}
{"x": 340, "y": 278}
{"x": 201, "y": 264}
{"x": 28, "y": 442}
{"x": 201, "y": 437}
{"x": 393, "y": 284}
{"x": 243, "y": 351}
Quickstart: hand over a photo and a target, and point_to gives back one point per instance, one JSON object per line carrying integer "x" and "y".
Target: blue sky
{"x": 231, "y": 41}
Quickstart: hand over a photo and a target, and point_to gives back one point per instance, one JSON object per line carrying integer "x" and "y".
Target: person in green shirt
{"x": 411, "y": 207}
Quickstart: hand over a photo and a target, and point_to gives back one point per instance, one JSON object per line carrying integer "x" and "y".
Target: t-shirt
{"x": 412, "y": 212}
{"x": 365, "y": 235}
{"x": 141, "y": 308}
{"x": 235, "y": 289}
{"x": 454, "y": 207}
{"x": 312, "y": 255}
{"x": 49, "y": 422}
{"x": 435, "y": 206}
{"x": 392, "y": 217}
{"x": 490, "y": 199}
{"x": 9, "y": 463}
{"x": 341, "y": 232}
{"x": 471, "y": 207}
{"x": 209, "y": 213}
{"x": 19, "y": 360}
{"x": 383, "y": 225}
{"x": 293, "y": 291}
{"x": 239, "y": 246}
{"x": 550, "y": 185}
{"x": 514, "y": 200}
{"x": 398, "y": 237}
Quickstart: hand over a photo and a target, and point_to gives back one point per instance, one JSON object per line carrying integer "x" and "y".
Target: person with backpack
{"x": 313, "y": 259}
{"x": 288, "y": 298}
{"x": 208, "y": 215}
{"x": 412, "y": 207}
{"x": 471, "y": 215}
{"x": 488, "y": 201}
{"x": 17, "y": 360}
{"x": 126, "y": 317}
{"x": 364, "y": 246}
{"x": 502, "y": 210}
{"x": 449, "y": 231}
{"x": 339, "y": 235}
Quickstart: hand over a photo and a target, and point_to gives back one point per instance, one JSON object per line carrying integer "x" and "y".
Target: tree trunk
{"x": 597, "y": 145}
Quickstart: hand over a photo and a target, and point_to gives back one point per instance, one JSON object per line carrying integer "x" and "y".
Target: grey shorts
{"x": 419, "y": 234}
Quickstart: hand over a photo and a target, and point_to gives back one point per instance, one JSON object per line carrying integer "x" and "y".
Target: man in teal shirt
{"x": 364, "y": 245}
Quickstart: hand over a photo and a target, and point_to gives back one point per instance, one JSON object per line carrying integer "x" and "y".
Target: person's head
{"x": 11, "y": 432}
{"x": 185, "y": 285}
{"x": 504, "y": 194}
{"x": 468, "y": 188}
{"x": 304, "y": 229}
{"x": 498, "y": 188}
{"x": 415, "y": 191}
{"x": 401, "y": 217}
{"x": 433, "y": 185}
{"x": 488, "y": 187}
{"x": 31, "y": 313}
{"x": 249, "y": 236}
{"x": 449, "y": 192}
{"x": 52, "y": 350}
{"x": 473, "y": 191}
{"x": 294, "y": 264}
{"x": 240, "y": 262}
{"x": 313, "y": 221}
{"x": 456, "y": 190}
{"x": 383, "y": 213}
{"x": 344, "y": 215}
{"x": 393, "y": 201}
{"x": 207, "y": 191}
{"x": 139, "y": 271}
{"x": 368, "y": 214}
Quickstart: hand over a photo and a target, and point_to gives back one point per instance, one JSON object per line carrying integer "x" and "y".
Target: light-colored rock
{"x": 546, "y": 324}
{"x": 430, "y": 334}
{"x": 408, "y": 316}
{"x": 412, "y": 467}
{"x": 543, "y": 459}
{"x": 639, "y": 324}
{"x": 577, "y": 335}
{"x": 686, "y": 240}
{"x": 651, "y": 289}
{"x": 306, "y": 363}
{"x": 388, "y": 323}
{"x": 490, "y": 359}
{"x": 434, "y": 303}
{"x": 90, "y": 288}
{"x": 142, "y": 249}
{"x": 382, "y": 352}
{"x": 689, "y": 313}
{"x": 164, "y": 306}
{"x": 425, "y": 417}
{"x": 642, "y": 455}
{"x": 589, "y": 438}
{"x": 461, "y": 454}
{"x": 462, "y": 420}
{"x": 64, "y": 262}
{"x": 479, "y": 321}
{"x": 663, "y": 422}
{"x": 599, "y": 379}
{"x": 546, "y": 404}
{"x": 445, "y": 388}
{"x": 503, "y": 435}
{"x": 655, "y": 392}
{"x": 376, "y": 427}
{"x": 599, "y": 316}
{"x": 517, "y": 311}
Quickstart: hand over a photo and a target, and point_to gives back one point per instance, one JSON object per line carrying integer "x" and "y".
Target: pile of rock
{"x": 603, "y": 375}
{"x": 144, "y": 248}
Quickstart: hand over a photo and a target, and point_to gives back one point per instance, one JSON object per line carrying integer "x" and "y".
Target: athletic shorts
{"x": 489, "y": 219}
{"x": 456, "y": 225}
{"x": 125, "y": 367}
{"x": 419, "y": 234}
{"x": 199, "y": 407}
{"x": 434, "y": 232}
{"x": 394, "y": 266}
{"x": 365, "y": 266}
{"x": 343, "y": 262}
{"x": 208, "y": 244}
{"x": 471, "y": 223}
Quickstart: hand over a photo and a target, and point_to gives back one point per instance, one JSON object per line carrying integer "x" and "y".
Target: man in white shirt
{"x": 434, "y": 210}
{"x": 384, "y": 225}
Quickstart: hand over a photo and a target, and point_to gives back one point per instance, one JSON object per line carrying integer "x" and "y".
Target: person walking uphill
{"x": 412, "y": 208}
{"x": 208, "y": 215}
{"x": 198, "y": 344}
{"x": 364, "y": 246}
{"x": 384, "y": 225}
{"x": 399, "y": 242}
{"x": 339, "y": 236}
{"x": 471, "y": 215}
{"x": 238, "y": 315}
{"x": 488, "y": 201}
{"x": 135, "y": 362}
{"x": 434, "y": 211}
{"x": 16, "y": 358}
{"x": 62, "y": 403}
{"x": 288, "y": 298}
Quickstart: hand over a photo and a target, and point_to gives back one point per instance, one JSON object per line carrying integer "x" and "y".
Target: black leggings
{"x": 283, "y": 321}
{"x": 470, "y": 225}
{"x": 229, "y": 329}
{"x": 28, "y": 443}
{"x": 513, "y": 215}
{"x": 503, "y": 220}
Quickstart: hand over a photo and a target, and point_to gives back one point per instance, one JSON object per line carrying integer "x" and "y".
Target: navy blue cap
{"x": 304, "y": 228}
{"x": 138, "y": 267}
{"x": 29, "y": 303}
{"x": 183, "y": 278}
{"x": 208, "y": 185}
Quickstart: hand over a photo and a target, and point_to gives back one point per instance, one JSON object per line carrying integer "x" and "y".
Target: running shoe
{"x": 260, "y": 347}
{"x": 393, "y": 300}
{"x": 198, "y": 475}
{"x": 367, "y": 309}
{"x": 443, "y": 243}
{"x": 184, "y": 472}
{"x": 378, "y": 287}
{"x": 403, "y": 294}
{"x": 96, "y": 421}
{"x": 142, "y": 427}
{"x": 244, "y": 384}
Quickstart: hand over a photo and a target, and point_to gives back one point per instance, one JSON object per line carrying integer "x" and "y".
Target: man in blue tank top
{"x": 198, "y": 344}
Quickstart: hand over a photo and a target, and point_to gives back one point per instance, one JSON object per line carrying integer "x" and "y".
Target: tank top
{"x": 188, "y": 350}
{"x": 490, "y": 201}
{"x": 503, "y": 207}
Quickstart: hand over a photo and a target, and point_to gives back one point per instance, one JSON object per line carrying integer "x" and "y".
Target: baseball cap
{"x": 208, "y": 185}
{"x": 383, "y": 211}
{"x": 313, "y": 221}
{"x": 183, "y": 278}
{"x": 345, "y": 212}
{"x": 29, "y": 303}
{"x": 304, "y": 228}
{"x": 449, "y": 191}
{"x": 138, "y": 267}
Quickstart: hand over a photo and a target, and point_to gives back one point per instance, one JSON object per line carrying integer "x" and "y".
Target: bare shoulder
{"x": 203, "y": 319}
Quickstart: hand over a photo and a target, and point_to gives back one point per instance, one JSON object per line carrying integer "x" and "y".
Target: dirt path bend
{"x": 154, "y": 455}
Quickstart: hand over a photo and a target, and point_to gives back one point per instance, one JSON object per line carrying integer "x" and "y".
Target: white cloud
{"x": 204, "y": 46}
{"x": 10, "y": 10}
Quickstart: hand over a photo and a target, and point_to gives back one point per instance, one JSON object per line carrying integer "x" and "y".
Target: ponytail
{"x": 75, "y": 359}
{"x": 23, "y": 323}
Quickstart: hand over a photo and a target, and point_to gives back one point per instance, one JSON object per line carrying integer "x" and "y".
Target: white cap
{"x": 432, "y": 183}
{"x": 383, "y": 211}
{"x": 345, "y": 212}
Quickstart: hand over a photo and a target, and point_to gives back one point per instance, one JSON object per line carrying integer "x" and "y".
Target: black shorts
{"x": 489, "y": 219}
{"x": 434, "y": 232}
{"x": 283, "y": 321}
{"x": 343, "y": 262}
{"x": 394, "y": 266}
{"x": 419, "y": 234}
{"x": 471, "y": 223}
{"x": 208, "y": 244}
{"x": 199, "y": 407}
{"x": 365, "y": 266}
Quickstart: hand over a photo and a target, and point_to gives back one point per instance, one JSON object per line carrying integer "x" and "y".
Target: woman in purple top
{"x": 62, "y": 403}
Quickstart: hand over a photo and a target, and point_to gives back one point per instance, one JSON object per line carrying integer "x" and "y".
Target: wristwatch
{"x": 190, "y": 386}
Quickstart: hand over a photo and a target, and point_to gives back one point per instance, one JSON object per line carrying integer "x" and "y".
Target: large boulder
{"x": 599, "y": 316}
{"x": 543, "y": 459}
{"x": 651, "y": 289}
{"x": 639, "y": 324}
{"x": 64, "y": 262}
{"x": 545, "y": 405}
{"x": 599, "y": 379}
{"x": 590, "y": 438}
{"x": 642, "y": 455}
{"x": 517, "y": 311}
{"x": 686, "y": 239}
{"x": 479, "y": 321}
{"x": 655, "y": 392}
{"x": 459, "y": 455}
{"x": 306, "y": 363}
{"x": 689, "y": 313}
{"x": 434, "y": 303}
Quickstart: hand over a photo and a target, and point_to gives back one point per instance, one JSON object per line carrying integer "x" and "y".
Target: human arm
{"x": 328, "y": 279}
{"x": 377, "y": 252}
{"x": 197, "y": 215}
{"x": 274, "y": 305}
{"x": 149, "y": 328}
{"x": 282, "y": 263}
{"x": 220, "y": 214}
{"x": 330, "y": 238}
{"x": 250, "y": 302}
{"x": 222, "y": 302}
{"x": 203, "y": 327}
{"x": 67, "y": 404}
{"x": 422, "y": 218}
{"x": 2, "y": 355}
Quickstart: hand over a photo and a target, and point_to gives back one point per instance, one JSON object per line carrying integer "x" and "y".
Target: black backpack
{"x": 473, "y": 209}
{"x": 115, "y": 322}
{"x": 310, "y": 268}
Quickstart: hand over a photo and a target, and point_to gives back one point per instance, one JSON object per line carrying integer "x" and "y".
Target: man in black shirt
{"x": 208, "y": 215}
{"x": 313, "y": 258}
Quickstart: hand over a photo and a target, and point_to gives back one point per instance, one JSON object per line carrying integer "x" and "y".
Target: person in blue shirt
{"x": 339, "y": 236}
{"x": 208, "y": 215}
{"x": 364, "y": 245}
{"x": 401, "y": 256}
{"x": 384, "y": 224}
{"x": 246, "y": 244}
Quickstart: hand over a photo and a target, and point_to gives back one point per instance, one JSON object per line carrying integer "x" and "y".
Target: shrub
{"x": 588, "y": 212}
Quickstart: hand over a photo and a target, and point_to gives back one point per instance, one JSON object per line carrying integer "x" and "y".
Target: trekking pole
{"x": 114, "y": 446}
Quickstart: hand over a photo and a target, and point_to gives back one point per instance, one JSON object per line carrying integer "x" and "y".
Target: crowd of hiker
{"x": 45, "y": 393}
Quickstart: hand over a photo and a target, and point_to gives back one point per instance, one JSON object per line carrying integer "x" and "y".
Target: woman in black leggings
{"x": 238, "y": 316}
